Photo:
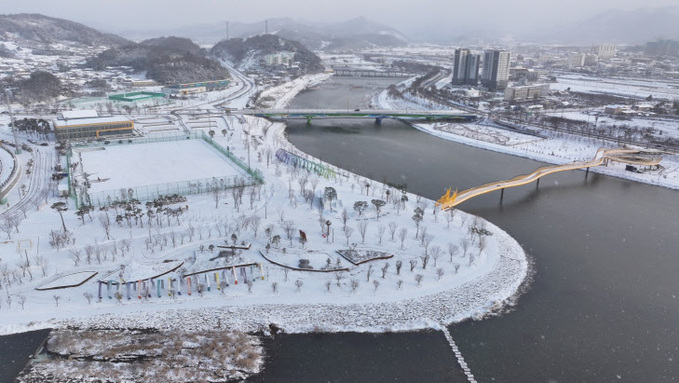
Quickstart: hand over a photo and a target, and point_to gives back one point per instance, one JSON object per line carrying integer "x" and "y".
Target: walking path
{"x": 629, "y": 156}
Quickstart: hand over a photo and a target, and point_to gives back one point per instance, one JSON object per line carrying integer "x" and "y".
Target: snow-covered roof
{"x": 73, "y": 114}
{"x": 87, "y": 121}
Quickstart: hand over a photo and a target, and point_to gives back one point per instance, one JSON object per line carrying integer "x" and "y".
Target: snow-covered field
{"x": 621, "y": 87}
{"x": 130, "y": 166}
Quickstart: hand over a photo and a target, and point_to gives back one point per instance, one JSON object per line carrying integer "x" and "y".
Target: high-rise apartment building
{"x": 495, "y": 73}
{"x": 466, "y": 67}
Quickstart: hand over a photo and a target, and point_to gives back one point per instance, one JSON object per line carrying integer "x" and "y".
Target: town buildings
{"x": 495, "y": 73}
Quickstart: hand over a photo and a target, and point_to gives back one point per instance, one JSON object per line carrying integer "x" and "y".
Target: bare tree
{"x": 105, "y": 222}
{"x": 89, "y": 297}
{"x": 450, "y": 217}
{"x": 274, "y": 287}
{"x": 380, "y": 233}
{"x": 392, "y": 229}
{"x": 327, "y": 285}
{"x": 418, "y": 279}
{"x": 339, "y": 275}
{"x": 369, "y": 272}
{"x": 362, "y": 228}
{"x": 255, "y": 221}
{"x": 439, "y": 273}
{"x": 285, "y": 272}
{"x": 75, "y": 254}
{"x": 426, "y": 241}
{"x": 399, "y": 264}
{"x": 456, "y": 266}
{"x": 7, "y": 226}
{"x": 56, "y": 299}
{"x": 289, "y": 228}
{"x": 302, "y": 181}
{"x": 22, "y": 301}
{"x": 376, "y": 283}
{"x": 413, "y": 263}
{"x": 347, "y": 233}
{"x": 299, "y": 284}
{"x": 399, "y": 284}
{"x": 425, "y": 260}
{"x": 345, "y": 218}
{"x": 384, "y": 269}
{"x": 402, "y": 234}
{"x": 465, "y": 246}
{"x": 354, "y": 285}
{"x": 452, "y": 250}
{"x": 249, "y": 283}
{"x": 435, "y": 252}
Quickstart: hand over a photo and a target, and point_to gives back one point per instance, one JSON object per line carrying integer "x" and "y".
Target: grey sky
{"x": 406, "y": 15}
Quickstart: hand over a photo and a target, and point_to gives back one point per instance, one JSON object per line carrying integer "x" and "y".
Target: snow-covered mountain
{"x": 36, "y": 30}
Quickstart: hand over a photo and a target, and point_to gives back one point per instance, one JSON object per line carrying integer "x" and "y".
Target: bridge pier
{"x": 502, "y": 194}
{"x": 308, "y": 120}
{"x": 537, "y": 184}
{"x": 378, "y": 121}
{"x": 586, "y": 173}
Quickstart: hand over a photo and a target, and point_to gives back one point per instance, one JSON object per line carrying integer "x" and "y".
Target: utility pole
{"x": 227, "y": 30}
{"x": 17, "y": 150}
{"x": 266, "y": 27}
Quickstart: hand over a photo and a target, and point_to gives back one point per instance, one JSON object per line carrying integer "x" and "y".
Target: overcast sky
{"x": 406, "y": 15}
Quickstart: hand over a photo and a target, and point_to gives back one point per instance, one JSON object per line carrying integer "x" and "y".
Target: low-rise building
{"x": 528, "y": 92}
{"x": 196, "y": 87}
{"x": 93, "y": 127}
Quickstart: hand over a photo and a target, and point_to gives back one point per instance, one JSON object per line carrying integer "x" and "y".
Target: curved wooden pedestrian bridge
{"x": 637, "y": 157}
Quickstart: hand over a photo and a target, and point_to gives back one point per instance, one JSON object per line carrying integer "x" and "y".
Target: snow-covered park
{"x": 342, "y": 253}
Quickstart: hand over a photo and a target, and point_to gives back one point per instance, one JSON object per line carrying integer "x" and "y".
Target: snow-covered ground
{"x": 464, "y": 275}
{"x": 621, "y": 87}
{"x": 152, "y": 163}
{"x": 280, "y": 96}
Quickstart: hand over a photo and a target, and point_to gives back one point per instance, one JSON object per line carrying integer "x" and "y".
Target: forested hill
{"x": 248, "y": 53}
{"x": 164, "y": 65}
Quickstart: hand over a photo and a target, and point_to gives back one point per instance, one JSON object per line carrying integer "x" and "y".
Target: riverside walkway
{"x": 603, "y": 156}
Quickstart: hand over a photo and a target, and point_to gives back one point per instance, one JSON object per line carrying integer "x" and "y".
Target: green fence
{"x": 253, "y": 173}
{"x": 150, "y": 192}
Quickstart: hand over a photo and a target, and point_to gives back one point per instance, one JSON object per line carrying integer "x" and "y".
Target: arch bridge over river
{"x": 377, "y": 114}
{"x": 637, "y": 157}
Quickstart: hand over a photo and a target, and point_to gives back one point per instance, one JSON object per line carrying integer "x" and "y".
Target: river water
{"x": 604, "y": 303}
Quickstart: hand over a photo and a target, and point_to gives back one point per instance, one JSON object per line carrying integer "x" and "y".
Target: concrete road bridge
{"x": 637, "y": 157}
{"x": 377, "y": 114}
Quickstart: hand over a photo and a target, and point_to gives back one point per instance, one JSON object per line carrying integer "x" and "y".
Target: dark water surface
{"x": 604, "y": 303}
{"x": 16, "y": 350}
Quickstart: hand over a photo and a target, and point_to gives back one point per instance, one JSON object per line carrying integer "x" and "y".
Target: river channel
{"x": 604, "y": 302}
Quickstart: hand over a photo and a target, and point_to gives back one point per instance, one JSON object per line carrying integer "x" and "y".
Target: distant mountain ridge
{"x": 354, "y": 33}
{"x": 622, "y": 27}
{"x": 35, "y": 29}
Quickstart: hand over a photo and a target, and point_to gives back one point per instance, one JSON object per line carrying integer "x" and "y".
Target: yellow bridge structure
{"x": 602, "y": 157}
